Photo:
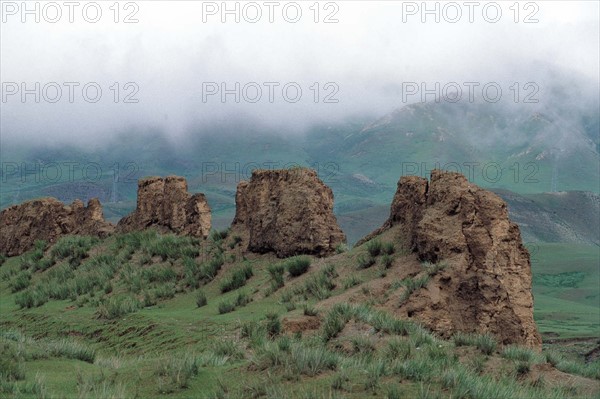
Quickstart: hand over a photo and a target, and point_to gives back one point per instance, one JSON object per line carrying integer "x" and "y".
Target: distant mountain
{"x": 556, "y": 217}
{"x": 514, "y": 150}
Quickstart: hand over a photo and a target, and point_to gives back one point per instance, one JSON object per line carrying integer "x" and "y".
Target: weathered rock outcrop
{"x": 486, "y": 286}
{"x": 49, "y": 219}
{"x": 287, "y": 212}
{"x": 165, "y": 204}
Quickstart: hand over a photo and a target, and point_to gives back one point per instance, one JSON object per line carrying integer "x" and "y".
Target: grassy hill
{"x": 148, "y": 315}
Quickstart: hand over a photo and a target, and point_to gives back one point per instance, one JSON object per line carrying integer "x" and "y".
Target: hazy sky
{"x": 177, "y": 56}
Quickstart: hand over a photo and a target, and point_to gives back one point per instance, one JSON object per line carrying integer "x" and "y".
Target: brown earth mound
{"x": 288, "y": 212}
{"x": 486, "y": 285}
{"x": 49, "y": 219}
{"x": 165, "y": 204}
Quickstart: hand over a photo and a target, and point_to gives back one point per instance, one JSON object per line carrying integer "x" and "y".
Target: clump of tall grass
{"x": 73, "y": 248}
{"x": 226, "y": 307}
{"x": 237, "y": 278}
{"x": 32, "y": 297}
{"x": 21, "y": 281}
{"x": 399, "y": 349}
{"x": 412, "y": 284}
{"x": 335, "y": 321}
{"x": 201, "y": 299}
{"x": 170, "y": 246}
{"x": 242, "y": 299}
{"x": 228, "y": 349}
{"x": 174, "y": 372}
{"x": 118, "y": 306}
{"x": 433, "y": 268}
{"x": 297, "y": 265}
{"x": 276, "y": 272}
{"x": 365, "y": 261}
{"x": 218, "y": 236}
{"x": 513, "y": 352}
{"x": 486, "y": 343}
{"x": 69, "y": 349}
{"x": 321, "y": 284}
{"x": 374, "y": 247}
{"x": 311, "y": 361}
{"x": 99, "y": 386}
{"x": 351, "y": 281}
{"x": 209, "y": 270}
{"x": 11, "y": 361}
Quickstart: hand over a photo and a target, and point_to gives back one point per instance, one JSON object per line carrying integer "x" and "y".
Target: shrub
{"x": 226, "y": 307}
{"x": 118, "y": 306}
{"x": 217, "y": 236}
{"x": 174, "y": 372}
{"x": 242, "y": 299}
{"x": 463, "y": 339}
{"x": 237, "y": 279}
{"x": 374, "y": 247}
{"x": 333, "y": 324}
{"x": 228, "y": 348}
{"x": 375, "y": 371}
{"x": 413, "y": 284}
{"x": 165, "y": 291}
{"x": 159, "y": 274}
{"x": 351, "y": 281}
{"x": 522, "y": 368}
{"x": 273, "y": 324}
{"x": 70, "y": 349}
{"x": 341, "y": 248}
{"x": 400, "y": 349}
{"x": 319, "y": 285}
{"x": 365, "y": 261}
{"x": 32, "y": 297}
{"x": 486, "y": 343}
{"x": 362, "y": 345}
{"x": 276, "y": 272}
{"x": 311, "y": 361}
{"x": 236, "y": 241}
{"x": 298, "y": 265}
{"x": 200, "y": 299}
{"x": 415, "y": 369}
{"x": 11, "y": 362}
{"x": 386, "y": 261}
{"x": 209, "y": 270}
{"x": 477, "y": 364}
{"x": 149, "y": 299}
{"x": 73, "y": 247}
{"x": 329, "y": 271}
{"x": 310, "y": 310}
{"x": 433, "y": 268}
{"x": 517, "y": 353}
{"x": 2, "y": 259}
{"x": 170, "y": 246}
{"x": 339, "y": 380}
{"x": 388, "y": 248}
{"x": 21, "y": 281}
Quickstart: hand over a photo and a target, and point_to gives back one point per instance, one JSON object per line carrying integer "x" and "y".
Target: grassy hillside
{"x": 145, "y": 315}
{"x": 565, "y": 287}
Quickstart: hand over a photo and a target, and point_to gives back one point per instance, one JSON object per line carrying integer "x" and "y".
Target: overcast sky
{"x": 178, "y": 54}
